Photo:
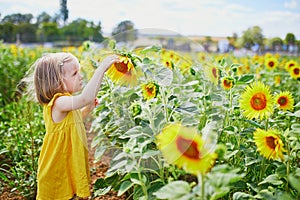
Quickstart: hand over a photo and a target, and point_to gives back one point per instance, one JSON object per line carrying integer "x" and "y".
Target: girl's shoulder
{"x": 56, "y": 96}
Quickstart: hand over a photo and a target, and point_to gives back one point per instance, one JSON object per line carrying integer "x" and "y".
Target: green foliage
{"x": 127, "y": 125}
{"x": 47, "y": 29}
{"x": 252, "y": 36}
{"x": 14, "y": 62}
{"x": 21, "y": 133}
{"x": 124, "y": 31}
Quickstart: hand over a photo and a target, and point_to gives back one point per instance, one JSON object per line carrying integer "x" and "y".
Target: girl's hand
{"x": 108, "y": 61}
{"x": 96, "y": 102}
{"x": 89, "y": 108}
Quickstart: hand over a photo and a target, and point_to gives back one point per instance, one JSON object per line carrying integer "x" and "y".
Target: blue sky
{"x": 189, "y": 17}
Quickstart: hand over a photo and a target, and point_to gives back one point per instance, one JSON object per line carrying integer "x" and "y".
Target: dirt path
{"x": 98, "y": 170}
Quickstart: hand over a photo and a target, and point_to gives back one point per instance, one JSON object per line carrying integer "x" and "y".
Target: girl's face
{"x": 71, "y": 76}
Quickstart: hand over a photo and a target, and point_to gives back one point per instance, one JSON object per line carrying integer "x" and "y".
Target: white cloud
{"x": 292, "y": 4}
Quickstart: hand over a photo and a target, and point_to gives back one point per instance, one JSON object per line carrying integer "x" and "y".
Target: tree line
{"x": 25, "y": 28}
{"x": 21, "y": 28}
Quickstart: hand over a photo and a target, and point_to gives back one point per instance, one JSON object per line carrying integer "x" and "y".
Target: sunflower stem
{"x": 262, "y": 169}
{"x": 201, "y": 180}
{"x": 112, "y": 97}
{"x": 287, "y": 167}
{"x": 267, "y": 124}
{"x": 164, "y": 101}
{"x": 142, "y": 184}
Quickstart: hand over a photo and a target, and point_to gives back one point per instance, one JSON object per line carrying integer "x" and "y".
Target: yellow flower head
{"x": 285, "y": 100}
{"x": 150, "y": 90}
{"x": 168, "y": 63}
{"x": 269, "y": 143}
{"x": 271, "y": 63}
{"x": 256, "y": 101}
{"x": 288, "y": 65}
{"x": 277, "y": 80}
{"x": 185, "y": 66}
{"x": 227, "y": 83}
{"x": 295, "y": 72}
{"x": 124, "y": 72}
{"x": 169, "y": 58}
{"x": 184, "y": 147}
{"x": 212, "y": 74}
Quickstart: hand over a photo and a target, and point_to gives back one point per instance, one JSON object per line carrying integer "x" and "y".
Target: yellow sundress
{"x": 63, "y": 168}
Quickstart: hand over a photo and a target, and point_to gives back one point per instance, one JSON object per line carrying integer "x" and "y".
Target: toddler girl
{"x": 63, "y": 170}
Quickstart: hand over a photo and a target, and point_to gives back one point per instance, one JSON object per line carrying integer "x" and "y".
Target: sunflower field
{"x": 176, "y": 125}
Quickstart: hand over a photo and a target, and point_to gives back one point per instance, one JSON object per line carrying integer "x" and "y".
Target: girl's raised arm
{"x": 88, "y": 94}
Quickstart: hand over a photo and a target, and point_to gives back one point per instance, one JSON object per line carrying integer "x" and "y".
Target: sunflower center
{"x": 150, "y": 89}
{"x": 271, "y": 64}
{"x": 121, "y": 67}
{"x": 258, "y": 101}
{"x": 291, "y": 65}
{"x": 296, "y": 71}
{"x": 168, "y": 64}
{"x": 188, "y": 148}
{"x": 282, "y": 101}
{"x": 271, "y": 142}
{"x": 214, "y": 72}
{"x": 227, "y": 83}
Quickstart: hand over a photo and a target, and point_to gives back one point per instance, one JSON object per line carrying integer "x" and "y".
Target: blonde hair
{"x": 45, "y": 78}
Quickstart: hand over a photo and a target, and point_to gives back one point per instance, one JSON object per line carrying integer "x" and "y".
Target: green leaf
{"x": 126, "y": 185}
{"x": 297, "y": 113}
{"x": 3, "y": 177}
{"x": 254, "y": 123}
{"x": 151, "y": 49}
{"x": 164, "y": 76}
{"x": 294, "y": 182}
{"x": 100, "y": 183}
{"x": 296, "y": 127}
{"x": 220, "y": 192}
{"x": 244, "y": 79}
{"x": 242, "y": 195}
{"x": 102, "y": 191}
{"x": 100, "y": 150}
{"x": 150, "y": 153}
{"x": 3, "y": 151}
{"x": 132, "y": 133}
{"x": 188, "y": 108}
{"x": 173, "y": 190}
{"x": 265, "y": 194}
{"x": 118, "y": 165}
{"x": 272, "y": 179}
{"x": 281, "y": 171}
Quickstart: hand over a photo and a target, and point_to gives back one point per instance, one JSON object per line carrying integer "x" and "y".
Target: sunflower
{"x": 295, "y": 72}
{"x": 227, "y": 83}
{"x": 212, "y": 74}
{"x": 256, "y": 101}
{"x": 168, "y": 63}
{"x": 271, "y": 63}
{"x": 123, "y": 72}
{"x": 150, "y": 90}
{"x": 277, "y": 80}
{"x": 169, "y": 58}
{"x": 288, "y": 65}
{"x": 184, "y": 147}
{"x": 185, "y": 66}
{"x": 269, "y": 143}
{"x": 285, "y": 100}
